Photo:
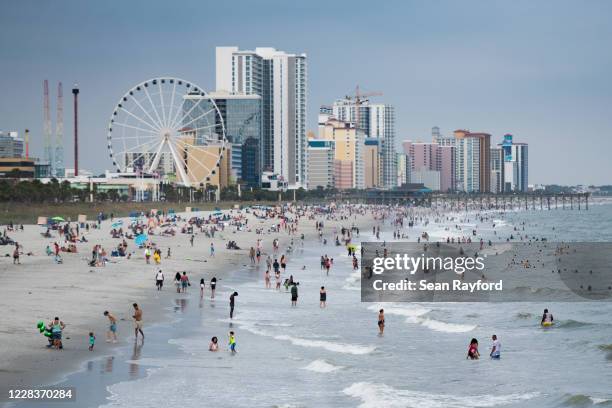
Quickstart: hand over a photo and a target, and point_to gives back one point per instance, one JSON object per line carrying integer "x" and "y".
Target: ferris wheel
{"x": 168, "y": 126}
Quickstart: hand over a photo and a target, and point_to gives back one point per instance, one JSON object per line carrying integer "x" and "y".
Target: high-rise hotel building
{"x": 473, "y": 161}
{"x": 280, "y": 79}
{"x": 376, "y": 121}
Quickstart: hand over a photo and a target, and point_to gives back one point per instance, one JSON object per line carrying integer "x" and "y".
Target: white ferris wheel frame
{"x": 164, "y": 127}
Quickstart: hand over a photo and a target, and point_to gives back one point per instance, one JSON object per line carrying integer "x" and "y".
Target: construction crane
{"x": 358, "y": 99}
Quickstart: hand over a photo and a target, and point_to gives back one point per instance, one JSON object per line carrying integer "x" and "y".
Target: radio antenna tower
{"x": 59, "y": 134}
{"x": 48, "y": 152}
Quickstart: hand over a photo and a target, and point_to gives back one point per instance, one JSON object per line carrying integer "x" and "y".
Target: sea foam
{"x": 381, "y": 395}
{"x": 321, "y": 366}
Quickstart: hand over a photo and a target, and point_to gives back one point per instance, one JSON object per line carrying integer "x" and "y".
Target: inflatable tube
{"x": 547, "y": 324}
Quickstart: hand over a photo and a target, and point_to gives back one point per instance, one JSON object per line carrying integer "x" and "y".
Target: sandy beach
{"x": 40, "y": 289}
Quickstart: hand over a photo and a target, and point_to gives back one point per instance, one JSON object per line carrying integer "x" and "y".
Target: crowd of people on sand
{"x": 406, "y": 223}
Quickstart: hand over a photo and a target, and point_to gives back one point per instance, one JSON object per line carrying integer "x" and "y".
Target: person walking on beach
{"x": 191, "y": 239}
{"x": 294, "y": 294}
{"x": 495, "y": 349}
{"x": 147, "y": 254}
{"x": 322, "y": 297}
{"x": 177, "y": 282}
{"x": 159, "y": 280}
{"x": 201, "y": 288}
{"x": 111, "y": 334}
{"x": 212, "y": 249}
{"x": 213, "y": 286}
{"x": 381, "y": 322}
{"x": 137, "y": 321}
{"x": 16, "y": 254}
{"x": 232, "y": 304}
{"x": 185, "y": 282}
{"x": 92, "y": 341}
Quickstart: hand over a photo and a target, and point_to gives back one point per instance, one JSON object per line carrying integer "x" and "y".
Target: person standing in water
{"x": 184, "y": 282}
{"x": 137, "y": 321}
{"x": 381, "y": 321}
{"x": 322, "y": 297}
{"x": 294, "y": 294}
{"x": 547, "y": 318}
{"x": 232, "y": 304}
{"x": 159, "y": 280}
{"x": 473, "y": 353}
{"x": 111, "y": 334}
{"x": 213, "y": 286}
{"x": 495, "y": 349}
{"x": 232, "y": 341}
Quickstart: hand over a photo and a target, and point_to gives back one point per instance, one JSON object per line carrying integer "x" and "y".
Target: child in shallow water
{"x": 214, "y": 344}
{"x": 232, "y": 342}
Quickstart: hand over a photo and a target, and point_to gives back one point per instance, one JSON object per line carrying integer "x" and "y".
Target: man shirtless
{"x": 137, "y": 321}
{"x": 111, "y": 334}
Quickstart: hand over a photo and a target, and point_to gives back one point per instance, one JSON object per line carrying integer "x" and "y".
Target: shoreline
{"x": 36, "y": 365}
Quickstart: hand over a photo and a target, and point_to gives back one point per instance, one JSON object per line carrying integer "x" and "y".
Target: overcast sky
{"x": 541, "y": 70}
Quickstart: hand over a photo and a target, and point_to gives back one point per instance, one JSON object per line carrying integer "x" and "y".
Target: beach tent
{"x": 41, "y": 221}
{"x": 82, "y": 218}
{"x": 187, "y": 209}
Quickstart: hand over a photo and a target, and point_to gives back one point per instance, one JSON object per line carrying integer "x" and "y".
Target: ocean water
{"x": 333, "y": 357}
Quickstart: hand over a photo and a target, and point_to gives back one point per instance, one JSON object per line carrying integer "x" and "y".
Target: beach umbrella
{"x": 57, "y": 218}
{"x": 141, "y": 239}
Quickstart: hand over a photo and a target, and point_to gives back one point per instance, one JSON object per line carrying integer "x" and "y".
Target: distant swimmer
{"x": 473, "y": 353}
{"x": 381, "y": 322}
{"x": 495, "y": 348}
{"x": 547, "y": 319}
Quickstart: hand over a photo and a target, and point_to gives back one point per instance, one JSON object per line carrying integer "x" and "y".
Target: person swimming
{"x": 547, "y": 319}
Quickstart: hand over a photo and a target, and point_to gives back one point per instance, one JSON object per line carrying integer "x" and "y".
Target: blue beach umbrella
{"x": 141, "y": 239}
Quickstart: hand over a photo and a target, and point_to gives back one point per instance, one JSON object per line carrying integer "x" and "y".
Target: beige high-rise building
{"x": 349, "y": 145}
{"x": 371, "y": 163}
{"x": 200, "y": 159}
